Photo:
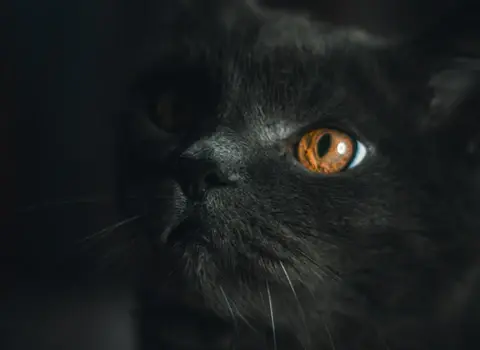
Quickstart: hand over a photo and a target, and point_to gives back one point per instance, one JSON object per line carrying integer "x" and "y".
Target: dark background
{"x": 64, "y": 71}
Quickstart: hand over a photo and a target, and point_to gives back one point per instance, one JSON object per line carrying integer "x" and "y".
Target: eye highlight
{"x": 329, "y": 151}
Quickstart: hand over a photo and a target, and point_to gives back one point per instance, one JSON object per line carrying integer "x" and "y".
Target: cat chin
{"x": 267, "y": 306}
{"x": 251, "y": 292}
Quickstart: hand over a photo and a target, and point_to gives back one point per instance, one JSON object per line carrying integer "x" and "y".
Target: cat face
{"x": 300, "y": 176}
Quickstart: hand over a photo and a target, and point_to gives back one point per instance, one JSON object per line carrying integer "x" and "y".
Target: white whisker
{"x": 232, "y": 313}
{"x": 244, "y": 319}
{"x": 229, "y": 306}
{"x": 271, "y": 316}
{"x": 330, "y": 338}
{"x": 289, "y": 280}
{"x": 300, "y": 308}
{"x": 320, "y": 277}
{"x": 110, "y": 228}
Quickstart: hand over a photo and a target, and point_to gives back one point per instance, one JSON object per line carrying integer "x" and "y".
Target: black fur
{"x": 382, "y": 256}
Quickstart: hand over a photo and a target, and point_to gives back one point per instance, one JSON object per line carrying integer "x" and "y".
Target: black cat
{"x": 311, "y": 187}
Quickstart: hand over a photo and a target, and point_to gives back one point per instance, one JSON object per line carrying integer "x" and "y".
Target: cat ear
{"x": 452, "y": 90}
{"x": 454, "y": 107}
{"x": 446, "y": 61}
{"x": 443, "y": 78}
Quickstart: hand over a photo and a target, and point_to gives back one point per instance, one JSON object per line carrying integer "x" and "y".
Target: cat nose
{"x": 196, "y": 177}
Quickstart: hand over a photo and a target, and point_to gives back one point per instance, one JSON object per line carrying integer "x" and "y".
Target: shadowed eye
{"x": 329, "y": 151}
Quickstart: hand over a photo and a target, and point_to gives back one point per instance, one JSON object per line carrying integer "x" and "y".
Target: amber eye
{"x": 329, "y": 151}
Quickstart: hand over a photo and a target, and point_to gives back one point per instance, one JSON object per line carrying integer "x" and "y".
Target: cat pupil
{"x": 323, "y": 145}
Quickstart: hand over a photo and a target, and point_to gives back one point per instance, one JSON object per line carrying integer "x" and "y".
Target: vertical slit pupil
{"x": 324, "y": 144}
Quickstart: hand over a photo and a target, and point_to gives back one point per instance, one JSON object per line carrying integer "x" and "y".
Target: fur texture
{"x": 382, "y": 256}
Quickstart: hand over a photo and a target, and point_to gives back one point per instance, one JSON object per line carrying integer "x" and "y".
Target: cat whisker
{"x": 300, "y": 308}
{"x": 320, "y": 277}
{"x": 289, "y": 280}
{"x": 333, "y": 274}
{"x": 229, "y": 308}
{"x": 110, "y": 228}
{"x": 328, "y": 270}
{"x": 272, "y": 317}
{"x": 330, "y": 338}
{"x": 309, "y": 258}
{"x": 232, "y": 313}
{"x": 244, "y": 319}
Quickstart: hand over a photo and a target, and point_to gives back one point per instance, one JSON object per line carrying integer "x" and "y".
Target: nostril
{"x": 197, "y": 177}
{"x": 213, "y": 179}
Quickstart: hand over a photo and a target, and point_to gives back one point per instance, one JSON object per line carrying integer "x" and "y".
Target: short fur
{"x": 382, "y": 256}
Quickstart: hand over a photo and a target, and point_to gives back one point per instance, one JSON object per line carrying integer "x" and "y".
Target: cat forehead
{"x": 287, "y": 75}
{"x": 300, "y": 32}
{"x": 293, "y": 57}
{"x": 283, "y": 88}
{"x": 275, "y": 97}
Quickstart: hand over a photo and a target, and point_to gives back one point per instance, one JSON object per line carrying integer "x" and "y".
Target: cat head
{"x": 304, "y": 165}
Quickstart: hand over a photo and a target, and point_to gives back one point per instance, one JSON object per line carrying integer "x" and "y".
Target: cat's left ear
{"x": 449, "y": 59}
{"x": 454, "y": 106}
{"x": 455, "y": 88}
